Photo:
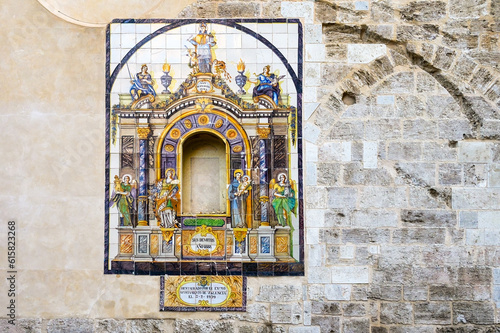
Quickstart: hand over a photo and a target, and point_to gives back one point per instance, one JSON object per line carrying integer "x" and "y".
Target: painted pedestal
{"x": 125, "y": 243}
{"x": 164, "y": 238}
{"x": 283, "y": 243}
{"x": 239, "y": 245}
{"x": 265, "y": 244}
{"x": 142, "y": 244}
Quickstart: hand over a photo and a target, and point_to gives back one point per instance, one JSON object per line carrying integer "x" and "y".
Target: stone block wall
{"x": 402, "y": 156}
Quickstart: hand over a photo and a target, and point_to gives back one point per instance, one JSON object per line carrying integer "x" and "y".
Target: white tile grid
{"x": 114, "y": 159}
{"x": 293, "y": 28}
{"x": 248, "y": 41}
{"x": 116, "y": 147}
{"x": 123, "y": 73}
{"x": 114, "y": 218}
{"x": 280, "y": 28}
{"x": 173, "y": 40}
{"x": 124, "y": 85}
{"x": 268, "y": 36}
{"x": 189, "y": 29}
{"x": 264, "y": 28}
{"x": 158, "y": 56}
{"x": 140, "y": 37}
{"x": 127, "y": 28}
{"x": 221, "y": 54}
{"x": 281, "y": 41}
{"x": 233, "y": 57}
{"x": 114, "y": 171}
{"x": 115, "y": 55}
{"x": 159, "y": 42}
{"x": 128, "y": 41}
{"x": 175, "y": 56}
{"x": 115, "y": 41}
{"x": 264, "y": 56}
{"x": 115, "y": 28}
{"x": 219, "y": 29}
{"x": 132, "y": 59}
{"x": 156, "y": 26}
{"x": 234, "y": 42}
{"x": 144, "y": 56}
{"x": 115, "y": 98}
{"x": 249, "y": 25}
{"x": 143, "y": 28}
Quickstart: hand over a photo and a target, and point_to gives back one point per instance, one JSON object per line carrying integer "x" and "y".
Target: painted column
{"x": 265, "y": 235}
{"x": 143, "y": 133}
{"x": 263, "y": 194}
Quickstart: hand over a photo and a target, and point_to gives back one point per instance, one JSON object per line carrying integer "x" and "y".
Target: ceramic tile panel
{"x": 203, "y": 166}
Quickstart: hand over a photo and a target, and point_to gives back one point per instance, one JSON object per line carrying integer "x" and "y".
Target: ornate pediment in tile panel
{"x": 204, "y": 148}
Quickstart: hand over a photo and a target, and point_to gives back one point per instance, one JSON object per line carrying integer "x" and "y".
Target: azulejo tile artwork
{"x": 204, "y": 149}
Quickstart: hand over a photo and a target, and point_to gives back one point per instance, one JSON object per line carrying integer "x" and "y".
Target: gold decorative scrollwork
{"x": 167, "y": 233}
{"x": 264, "y": 198}
{"x": 203, "y": 104}
{"x": 203, "y": 231}
{"x": 263, "y": 132}
{"x": 240, "y": 234}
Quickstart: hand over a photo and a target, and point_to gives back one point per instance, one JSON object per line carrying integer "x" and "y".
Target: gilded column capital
{"x": 263, "y": 132}
{"x": 143, "y": 132}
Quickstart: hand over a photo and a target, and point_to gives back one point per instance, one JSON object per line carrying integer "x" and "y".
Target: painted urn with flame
{"x": 166, "y": 79}
{"x": 241, "y": 79}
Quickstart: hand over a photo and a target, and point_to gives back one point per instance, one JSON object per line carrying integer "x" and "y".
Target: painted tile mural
{"x": 204, "y": 150}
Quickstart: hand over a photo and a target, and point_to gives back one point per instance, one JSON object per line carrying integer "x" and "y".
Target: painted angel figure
{"x": 193, "y": 61}
{"x": 124, "y": 198}
{"x": 165, "y": 197}
{"x": 282, "y": 195}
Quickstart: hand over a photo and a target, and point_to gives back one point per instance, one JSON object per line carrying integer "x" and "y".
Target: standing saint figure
{"x": 267, "y": 84}
{"x": 283, "y": 200}
{"x": 142, "y": 84}
{"x": 166, "y": 197}
{"x": 238, "y": 193}
{"x": 203, "y": 42}
{"x": 123, "y": 198}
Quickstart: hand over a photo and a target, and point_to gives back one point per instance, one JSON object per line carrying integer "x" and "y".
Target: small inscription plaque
{"x": 203, "y": 293}
{"x": 202, "y": 242}
{"x": 203, "y": 86}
